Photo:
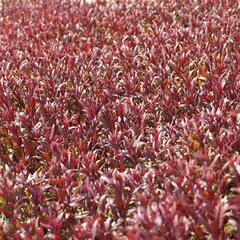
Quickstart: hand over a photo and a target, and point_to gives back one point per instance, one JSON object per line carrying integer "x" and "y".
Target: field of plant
{"x": 120, "y": 121}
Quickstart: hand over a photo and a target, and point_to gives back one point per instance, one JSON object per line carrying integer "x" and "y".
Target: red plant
{"x": 119, "y": 120}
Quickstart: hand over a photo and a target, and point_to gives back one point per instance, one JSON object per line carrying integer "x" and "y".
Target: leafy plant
{"x": 119, "y": 120}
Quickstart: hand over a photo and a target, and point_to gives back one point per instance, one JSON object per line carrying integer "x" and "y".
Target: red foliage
{"x": 121, "y": 120}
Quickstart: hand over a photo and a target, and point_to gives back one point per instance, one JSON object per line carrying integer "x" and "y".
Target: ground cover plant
{"x": 119, "y": 120}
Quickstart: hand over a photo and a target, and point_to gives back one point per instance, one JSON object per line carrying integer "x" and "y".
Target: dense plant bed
{"x": 120, "y": 121}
